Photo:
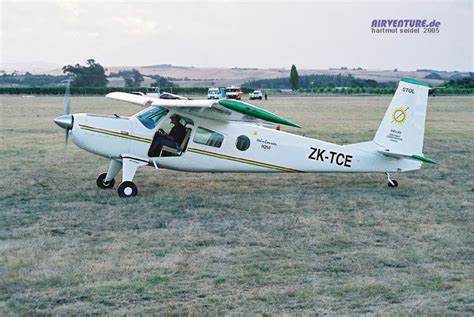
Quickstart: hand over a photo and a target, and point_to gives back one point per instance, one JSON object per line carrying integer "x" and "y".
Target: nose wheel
{"x": 391, "y": 182}
{"x": 127, "y": 189}
{"x": 103, "y": 184}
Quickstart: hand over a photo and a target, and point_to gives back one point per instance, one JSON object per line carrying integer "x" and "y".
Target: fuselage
{"x": 240, "y": 147}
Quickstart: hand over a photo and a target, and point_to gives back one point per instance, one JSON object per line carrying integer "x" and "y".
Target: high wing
{"x": 222, "y": 110}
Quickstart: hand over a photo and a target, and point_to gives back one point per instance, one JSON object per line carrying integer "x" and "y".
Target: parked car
{"x": 257, "y": 94}
{"x": 213, "y": 93}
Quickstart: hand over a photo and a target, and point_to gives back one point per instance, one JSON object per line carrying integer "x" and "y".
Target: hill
{"x": 189, "y": 76}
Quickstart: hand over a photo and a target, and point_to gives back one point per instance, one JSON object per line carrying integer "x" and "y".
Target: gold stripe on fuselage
{"x": 193, "y": 150}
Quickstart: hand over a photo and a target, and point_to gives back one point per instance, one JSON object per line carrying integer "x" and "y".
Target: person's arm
{"x": 167, "y": 135}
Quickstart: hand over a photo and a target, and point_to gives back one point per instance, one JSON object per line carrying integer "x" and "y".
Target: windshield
{"x": 150, "y": 117}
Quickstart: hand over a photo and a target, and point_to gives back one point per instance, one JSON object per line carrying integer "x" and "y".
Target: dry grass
{"x": 236, "y": 243}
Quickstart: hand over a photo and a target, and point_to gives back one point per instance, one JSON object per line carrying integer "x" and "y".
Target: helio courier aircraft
{"x": 234, "y": 136}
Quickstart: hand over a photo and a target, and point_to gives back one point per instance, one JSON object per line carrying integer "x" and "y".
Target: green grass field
{"x": 236, "y": 243}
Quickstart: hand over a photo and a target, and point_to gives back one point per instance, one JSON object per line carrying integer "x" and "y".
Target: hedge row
{"x": 348, "y": 91}
{"x": 378, "y": 91}
{"x": 91, "y": 90}
{"x": 202, "y": 90}
{"x": 100, "y": 90}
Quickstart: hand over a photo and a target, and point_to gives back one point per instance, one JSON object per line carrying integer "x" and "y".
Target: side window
{"x": 150, "y": 117}
{"x": 242, "y": 143}
{"x": 208, "y": 137}
{"x": 167, "y": 125}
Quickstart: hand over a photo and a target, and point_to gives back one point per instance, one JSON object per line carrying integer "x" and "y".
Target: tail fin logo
{"x": 399, "y": 116}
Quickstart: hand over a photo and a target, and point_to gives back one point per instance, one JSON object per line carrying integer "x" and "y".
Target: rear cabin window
{"x": 208, "y": 137}
{"x": 242, "y": 143}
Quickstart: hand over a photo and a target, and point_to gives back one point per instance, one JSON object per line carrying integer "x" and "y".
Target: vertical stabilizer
{"x": 403, "y": 127}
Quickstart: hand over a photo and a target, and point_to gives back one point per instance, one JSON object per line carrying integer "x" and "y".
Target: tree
{"x": 132, "y": 78}
{"x": 294, "y": 78}
{"x": 91, "y": 75}
{"x": 162, "y": 82}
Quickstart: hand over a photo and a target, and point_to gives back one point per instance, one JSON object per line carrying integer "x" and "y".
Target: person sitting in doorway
{"x": 172, "y": 139}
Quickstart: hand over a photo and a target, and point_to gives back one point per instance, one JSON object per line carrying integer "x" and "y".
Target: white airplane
{"x": 234, "y": 136}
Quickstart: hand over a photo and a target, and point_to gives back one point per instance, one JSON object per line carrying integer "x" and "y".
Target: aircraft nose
{"x": 65, "y": 121}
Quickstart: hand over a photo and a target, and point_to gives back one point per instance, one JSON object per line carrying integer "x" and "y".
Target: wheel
{"x": 127, "y": 189}
{"x": 102, "y": 183}
{"x": 395, "y": 183}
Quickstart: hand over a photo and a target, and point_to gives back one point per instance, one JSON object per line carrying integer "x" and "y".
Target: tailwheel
{"x": 392, "y": 183}
{"x": 127, "y": 189}
{"x": 103, "y": 184}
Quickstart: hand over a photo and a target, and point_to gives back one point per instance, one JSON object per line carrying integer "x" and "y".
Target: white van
{"x": 213, "y": 93}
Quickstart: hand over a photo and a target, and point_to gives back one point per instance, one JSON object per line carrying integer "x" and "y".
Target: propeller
{"x": 67, "y": 109}
{"x": 66, "y": 121}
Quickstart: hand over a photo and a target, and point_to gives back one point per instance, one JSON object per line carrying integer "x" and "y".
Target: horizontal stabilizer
{"x": 408, "y": 156}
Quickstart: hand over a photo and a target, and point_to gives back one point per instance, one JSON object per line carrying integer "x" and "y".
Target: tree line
{"x": 296, "y": 82}
{"x": 92, "y": 74}
{"x": 28, "y": 79}
{"x": 91, "y": 79}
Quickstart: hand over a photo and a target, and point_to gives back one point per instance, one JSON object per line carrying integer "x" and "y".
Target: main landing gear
{"x": 104, "y": 184}
{"x": 129, "y": 164}
{"x": 391, "y": 182}
{"x": 127, "y": 189}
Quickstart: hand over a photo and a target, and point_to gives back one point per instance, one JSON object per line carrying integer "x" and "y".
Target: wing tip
{"x": 424, "y": 159}
{"x": 256, "y": 112}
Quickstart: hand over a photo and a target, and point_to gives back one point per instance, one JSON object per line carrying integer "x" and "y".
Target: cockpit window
{"x": 150, "y": 117}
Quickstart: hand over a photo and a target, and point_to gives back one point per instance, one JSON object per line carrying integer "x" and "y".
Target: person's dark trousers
{"x": 157, "y": 144}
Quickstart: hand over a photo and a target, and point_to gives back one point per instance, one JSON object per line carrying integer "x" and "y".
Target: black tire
{"x": 103, "y": 184}
{"x": 127, "y": 189}
{"x": 395, "y": 183}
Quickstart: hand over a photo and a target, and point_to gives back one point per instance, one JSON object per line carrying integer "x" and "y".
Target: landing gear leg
{"x": 130, "y": 165}
{"x": 391, "y": 182}
{"x": 107, "y": 180}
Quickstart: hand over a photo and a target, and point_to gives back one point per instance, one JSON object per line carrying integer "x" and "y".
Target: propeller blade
{"x": 67, "y": 111}
{"x": 66, "y": 139}
{"x": 67, "y": 105}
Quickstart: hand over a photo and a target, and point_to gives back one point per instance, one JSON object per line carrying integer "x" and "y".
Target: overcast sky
{"x": 236, "y": 34}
